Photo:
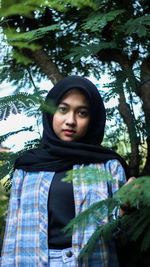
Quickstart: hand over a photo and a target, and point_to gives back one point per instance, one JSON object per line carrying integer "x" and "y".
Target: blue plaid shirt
{"x": 26, "y": 236}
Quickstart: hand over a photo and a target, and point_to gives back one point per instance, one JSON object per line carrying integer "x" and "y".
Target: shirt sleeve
{"x": 117, "y": 172}
{"x": 11, "y": 222}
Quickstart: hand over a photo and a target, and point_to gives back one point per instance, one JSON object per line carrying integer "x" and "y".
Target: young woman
{"x": 41, "y": 204}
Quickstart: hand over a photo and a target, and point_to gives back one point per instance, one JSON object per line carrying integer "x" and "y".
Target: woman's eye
{"x": 83, "y": 114}
{"x": 62, "y": 109}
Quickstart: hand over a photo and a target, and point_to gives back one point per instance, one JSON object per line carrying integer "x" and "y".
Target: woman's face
{"x": 71, "y": 119}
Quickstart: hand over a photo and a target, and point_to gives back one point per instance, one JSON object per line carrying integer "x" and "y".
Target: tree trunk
{"x": 47, "y": 66}
{"x": 144, "y": 93}
{"x": 129, "y": 120}
{"x": 116, "y": 55}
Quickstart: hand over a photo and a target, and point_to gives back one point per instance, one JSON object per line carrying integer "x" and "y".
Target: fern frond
{"x": 106, "y": 232}
{"x": 131, "y": 227}
{"x": 89, "y": 247}
{"x": 31, "y": 144}
{"x": 16, "y": 103}
{"x": 110, "y": 229}
{"x": 5, "y": 169}
{"x": 140, "y": 224}
{"x": 17, "y": 8}
{"x": 88, "y": 49}
{"x": 22, "y": 101}
{"x": 32, "y": 35}
{"x": 91, "y": 175}
{"x": 96, "y": 22}
{"x": 8, "y": 159}
{"x": 134, "y": 192}
{"x": 5, "y": 136}
{"x": 146, "y": 240}
{"x": 139, "y": 25}
{"x": 96, "y": 212}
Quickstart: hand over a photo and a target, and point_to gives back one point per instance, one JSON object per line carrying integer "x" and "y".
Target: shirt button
{"x": 69, "y": 253}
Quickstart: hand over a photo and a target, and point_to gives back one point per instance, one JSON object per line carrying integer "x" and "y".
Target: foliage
{"x": 14, "y": 104}
{"x": 8, "y": 159}
{"x": 31, "y": 104}
{"x": 88, "y": 173}
{"x": 133, "y": 226}
{"x": 117, "y": 23}
{"x": 117, "y": 139}
{"x": 96, "y": 35}
{"x": 31, "y": 35}
{"x": 89, "y": 41}
{"x": 139, "y": 26}
{"x": 95, "y": 23}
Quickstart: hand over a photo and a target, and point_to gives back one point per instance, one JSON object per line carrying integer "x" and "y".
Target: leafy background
{"x": 55, "y": 38}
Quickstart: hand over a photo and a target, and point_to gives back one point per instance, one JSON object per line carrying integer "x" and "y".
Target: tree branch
{"x": 47, "y": 66}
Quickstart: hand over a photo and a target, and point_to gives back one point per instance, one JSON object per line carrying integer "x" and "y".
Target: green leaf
{"x": 133, "y": 192}
{"x": 95, "y": 22}
{"x": 85, "y": 51}
{"x": 89, "y": 247}
{"x": 31, "y": 35}
{"x": 5, "y": 136}
{"x": 16, "y": 103}
{"x": 97, "y": 212}
{"x": 90, "y": 174}
{"x": 142, "y": 31}
{"x": 146, "y": 240}
{"x": 20, "y": 58}
{"x": 140, "y": 225}
{"x": 18, "y": 8}
{"x": 138, "y": 26}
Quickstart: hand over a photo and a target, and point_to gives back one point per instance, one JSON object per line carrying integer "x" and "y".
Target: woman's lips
{"x": 69, "y": 132}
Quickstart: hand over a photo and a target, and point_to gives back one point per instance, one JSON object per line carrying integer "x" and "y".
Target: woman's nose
{"x": 70, "y": 119}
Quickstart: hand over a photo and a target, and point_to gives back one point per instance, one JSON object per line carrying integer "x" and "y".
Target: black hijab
{"x": 57, "y": 155}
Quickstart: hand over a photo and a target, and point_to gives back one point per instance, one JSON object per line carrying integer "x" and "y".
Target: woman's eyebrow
{"x": 63, "y": 103}
{"x": 80, "y": 106}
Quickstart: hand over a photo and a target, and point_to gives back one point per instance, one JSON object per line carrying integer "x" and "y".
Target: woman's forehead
{"x": 74, "y": 92}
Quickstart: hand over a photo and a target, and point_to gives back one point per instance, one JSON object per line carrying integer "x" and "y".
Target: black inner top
{"x": 60, "y": 211}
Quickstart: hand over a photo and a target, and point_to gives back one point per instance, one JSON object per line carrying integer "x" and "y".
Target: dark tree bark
{"x": 125, "y": 111}
{"x": 129, "y": 119}
{"x": 144, "y": 93}
{"x": 47, "y": 66}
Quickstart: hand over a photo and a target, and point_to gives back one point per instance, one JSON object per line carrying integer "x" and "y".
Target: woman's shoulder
{"x": 23, "y": 172}
{"x": 20, "y": 175}
{"x": 112, "y": 166}
{"x": 111, "y": 163}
